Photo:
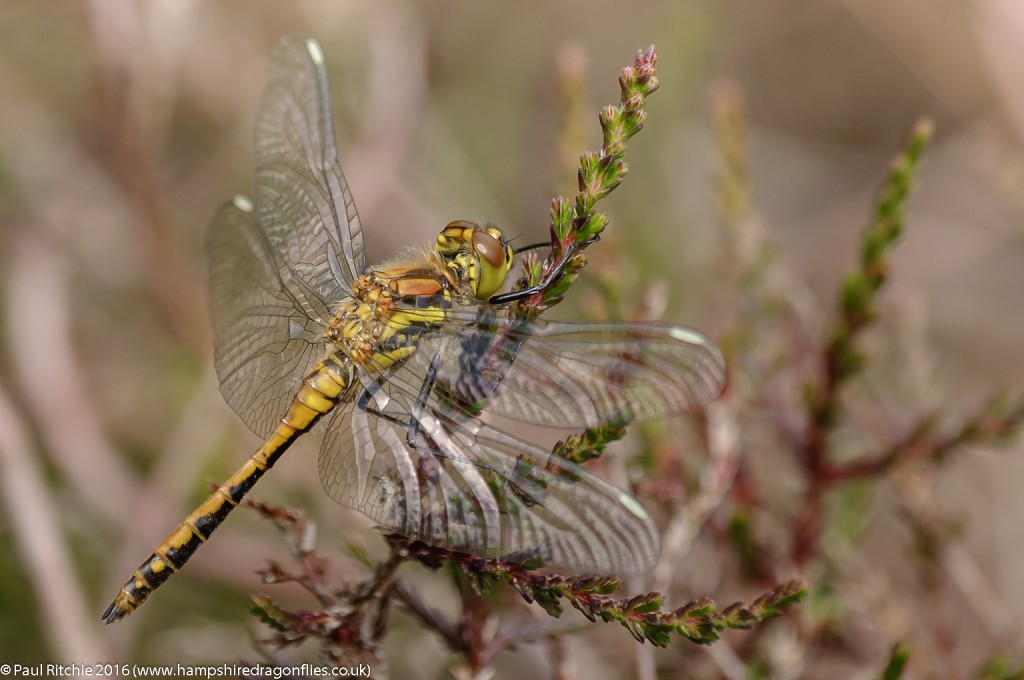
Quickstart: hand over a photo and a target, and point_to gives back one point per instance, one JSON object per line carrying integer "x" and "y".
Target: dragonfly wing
{"x": 471, "y": 488}
{"x": 265, "y": 339}
{"x": 566, "y": 374}
{"x": 563, "y": 371}
{"x": 302, "y": 199}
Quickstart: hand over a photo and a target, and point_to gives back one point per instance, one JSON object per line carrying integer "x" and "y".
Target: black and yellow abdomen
{"x": 321, "y": 390}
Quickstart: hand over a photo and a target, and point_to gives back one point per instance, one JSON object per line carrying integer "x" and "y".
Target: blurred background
{"x": 124, "y": 125}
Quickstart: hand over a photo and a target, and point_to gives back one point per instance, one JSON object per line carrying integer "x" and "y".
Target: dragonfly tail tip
{"x": 113, "y": 614}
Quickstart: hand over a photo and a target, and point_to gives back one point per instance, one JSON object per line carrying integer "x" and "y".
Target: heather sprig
{"x": 589, "y": 444}
{"x": 860, "y": 287}
{"x": 575, "y": 223}
{"x": 351, "y": 619}
{"x": 643, "y": 615}
{"x": 841, "y": 360}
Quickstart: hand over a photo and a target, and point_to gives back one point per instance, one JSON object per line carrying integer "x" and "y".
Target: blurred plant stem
{"x": 858, "y": 309}
{"x": 775, "y": 355}
{"x": 575, "y": 223}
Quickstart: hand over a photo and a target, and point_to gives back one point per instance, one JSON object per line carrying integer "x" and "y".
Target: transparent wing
{"x": 277, "y": 263}
{"x": 564, "y": 374}
{"x": 266, "y": 337}
{"x": 472, "y": 488}
{"x": 302, "y": 199}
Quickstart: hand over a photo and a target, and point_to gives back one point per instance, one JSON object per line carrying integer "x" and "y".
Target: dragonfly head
{"x": 477, "y": 257}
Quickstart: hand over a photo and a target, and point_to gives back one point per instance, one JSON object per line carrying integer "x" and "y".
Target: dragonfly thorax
{"x": 389, "y": 307}
{"x": 478, "y": 258}
{"x": 393, "y": 303}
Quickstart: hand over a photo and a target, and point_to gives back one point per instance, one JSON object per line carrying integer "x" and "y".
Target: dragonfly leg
{"x": 523, "y": 293}
{"x": 412, "y": 424}
{"x": 421, "y": 401}
{"x": 363, "y": 404}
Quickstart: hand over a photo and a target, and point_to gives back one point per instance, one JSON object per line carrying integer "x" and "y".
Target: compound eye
{"x": 489, "y": 249}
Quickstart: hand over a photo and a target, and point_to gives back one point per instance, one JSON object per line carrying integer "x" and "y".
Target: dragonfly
{"x": 409, "y": 370}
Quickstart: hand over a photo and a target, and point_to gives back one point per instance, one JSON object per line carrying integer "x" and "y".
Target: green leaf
{"x": 267, "y": 611}
{"x": 898, "y": 658}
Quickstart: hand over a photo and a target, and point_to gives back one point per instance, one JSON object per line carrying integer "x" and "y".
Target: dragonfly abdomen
{"x": 321, "y": 390}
